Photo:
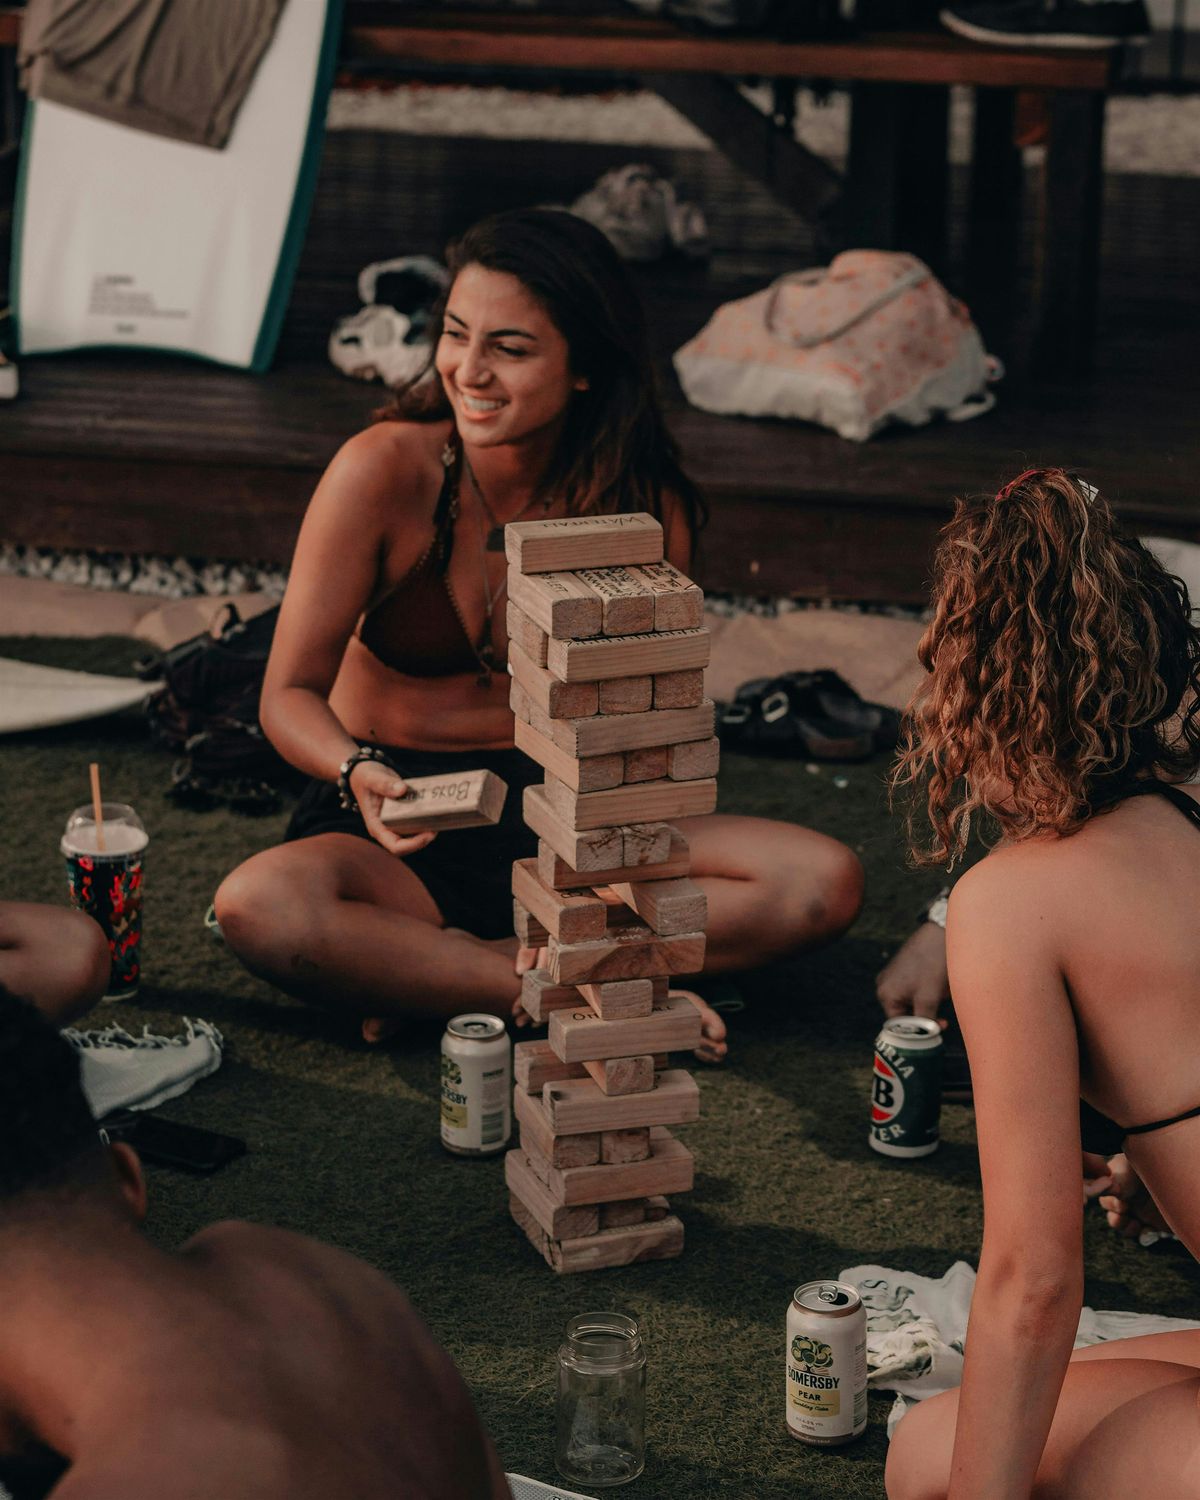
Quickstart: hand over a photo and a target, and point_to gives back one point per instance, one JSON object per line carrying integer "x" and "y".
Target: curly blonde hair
{"x": 1063, "y": 666}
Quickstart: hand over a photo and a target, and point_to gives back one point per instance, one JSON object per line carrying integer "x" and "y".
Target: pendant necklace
{"x": 495, "y": 536}
{"x": 486, "y": 650}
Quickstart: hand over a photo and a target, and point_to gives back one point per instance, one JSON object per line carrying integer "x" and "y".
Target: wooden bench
{"x": 894, "y": 195}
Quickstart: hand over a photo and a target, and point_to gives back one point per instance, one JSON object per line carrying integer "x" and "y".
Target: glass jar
{"x": 601, "y": 1401}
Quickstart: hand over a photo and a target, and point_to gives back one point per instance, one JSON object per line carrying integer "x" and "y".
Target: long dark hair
{"x": 616, "y": 452}
{"x": 1063, "y": 667}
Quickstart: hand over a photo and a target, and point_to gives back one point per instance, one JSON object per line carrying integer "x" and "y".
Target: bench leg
{"x": 896, "y": 192}
{"x": 1070, "y": 232}
{"x": 994, "y": 218}
{"x": 753, "y": 142}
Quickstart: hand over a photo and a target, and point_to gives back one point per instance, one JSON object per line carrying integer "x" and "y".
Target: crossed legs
{"x": 335, "y": 920}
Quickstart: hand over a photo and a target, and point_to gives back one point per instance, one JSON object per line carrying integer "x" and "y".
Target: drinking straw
{"x": 97, "y": 805}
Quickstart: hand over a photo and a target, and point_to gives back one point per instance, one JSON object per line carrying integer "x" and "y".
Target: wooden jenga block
{"x": 535, "y": 1064}
{"x": 558, "y": 603}
{"x": 627, "y": 656}
{"x": 649, "y": 764}
{"x": 528, "y": 929}
{"x": 540, "y": 996}
{"x": 667, "y": 906}
{"x": 622, "y": 1075}
{"x": 627, "y": 1246}
{"x": 579, "y": 1149}
{"x": 532, "y": 1230}
{"x": 622, "y": 1245}
{"x": 583, "y": 542}
{"x": 678, "y": 602}
{"x": 679, "y": 690}
{"x": 598, "y": 736}
{"x": 464, "y": 799}
{"x": 570, "y": 916}
{"x": 581, "y": 1036}
{"x": 628, "y": 603}
{"x": 530, "y": 637}
{"x": 591, "y": 774}
{"x": 620, "y": 999}
{"x": 630, "y": 953}
{"x": 668, "y": 1169}
{"x": 694, "y": 761}
{"x": 657, "y": 1207}
{"x": 631, "y": 846}
{"x": 557, "y": 700}
{"x": 555, "y": 871}
{"x": 575, "y": 1105}
{"x": 620, "y": 1215}
{"x": 539, "y": 1164}
{"x": 591, "y": 849}
{"x": 626, "y": 695}
{"x": 620, "y": 1145}
{"x": 643, "y": 802}
{"x": 560, "y": 1220}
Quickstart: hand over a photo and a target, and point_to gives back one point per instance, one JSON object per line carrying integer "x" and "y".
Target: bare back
{"x": 287, "y": 1369}
{"x": 1112, "y": 909}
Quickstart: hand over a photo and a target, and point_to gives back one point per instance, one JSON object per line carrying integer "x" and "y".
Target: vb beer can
{"x": 906, "y": 1087}
{"x": 826, "y": 1375}
{"x": 476, "y": 1086}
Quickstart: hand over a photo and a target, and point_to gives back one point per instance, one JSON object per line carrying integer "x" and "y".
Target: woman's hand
{"x": 372, "y": 782}
{"x": 526, "y": 959}
{"x": 914, "y": 982}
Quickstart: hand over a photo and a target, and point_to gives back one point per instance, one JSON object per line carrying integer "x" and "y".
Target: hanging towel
{"x": 179, "y": 68}
{"x": 119, "y": 1071}
{"x": 916, "y": 1329}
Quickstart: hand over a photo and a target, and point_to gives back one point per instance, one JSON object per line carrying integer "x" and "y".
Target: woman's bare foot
{"x": 713, "y": 1047}
{"x": 381, "y": 1028}
{"x": 1129, "y": 1208}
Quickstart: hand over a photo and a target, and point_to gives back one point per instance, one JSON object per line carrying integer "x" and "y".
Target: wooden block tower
{"x": 607, "y": 653}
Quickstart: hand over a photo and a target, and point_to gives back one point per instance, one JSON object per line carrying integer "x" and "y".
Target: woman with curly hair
{"x": 1062, "y": 706}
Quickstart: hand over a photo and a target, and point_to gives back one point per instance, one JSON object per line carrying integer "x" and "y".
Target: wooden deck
{"x": 138, "y": 452}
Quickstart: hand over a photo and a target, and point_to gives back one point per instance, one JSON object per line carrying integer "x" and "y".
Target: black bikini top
{"x": 1188, "y": 807}
{"x": 417, "y": 628}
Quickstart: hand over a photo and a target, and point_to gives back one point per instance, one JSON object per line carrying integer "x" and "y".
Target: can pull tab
{"x": 833, "y": 1295}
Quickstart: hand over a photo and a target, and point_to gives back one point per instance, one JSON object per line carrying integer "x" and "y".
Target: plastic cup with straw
{"x": 104, "y": 846}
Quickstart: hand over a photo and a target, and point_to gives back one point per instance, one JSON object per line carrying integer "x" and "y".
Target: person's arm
{"x": 1019, "y": 1028}
{"x": 333, "y": 573}
{"x": 914, "y": 982}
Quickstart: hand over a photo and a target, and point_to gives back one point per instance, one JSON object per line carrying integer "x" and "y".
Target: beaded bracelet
{"x": 364, "y": 752}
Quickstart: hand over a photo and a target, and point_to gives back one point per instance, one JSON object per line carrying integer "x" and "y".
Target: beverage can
{"x": 826, "y": 1365}
{"x": 906, "y": 1087}
{"x": 105, "y": 880}
{"x": 476, "y": 1085}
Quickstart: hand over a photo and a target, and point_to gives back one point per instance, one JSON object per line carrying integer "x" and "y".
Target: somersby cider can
{"x": 906, "y": 1087}
{"x": 476, "y": 1086}
{"x": 826, "y": 1376}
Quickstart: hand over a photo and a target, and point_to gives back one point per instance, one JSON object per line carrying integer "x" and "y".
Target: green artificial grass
{"x": 344, "y": 1138}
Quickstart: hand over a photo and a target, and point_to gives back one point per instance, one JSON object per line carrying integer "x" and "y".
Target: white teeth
{"x": 473, "y": 403}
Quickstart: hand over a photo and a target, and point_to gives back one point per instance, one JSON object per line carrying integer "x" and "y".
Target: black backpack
{"x": 207, "y": 714}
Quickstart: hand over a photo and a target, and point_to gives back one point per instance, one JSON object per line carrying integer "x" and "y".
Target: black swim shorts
{"x": 467, "y": 871}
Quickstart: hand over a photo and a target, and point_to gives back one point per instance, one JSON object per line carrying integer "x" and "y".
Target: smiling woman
{"x": 389, "y": 655}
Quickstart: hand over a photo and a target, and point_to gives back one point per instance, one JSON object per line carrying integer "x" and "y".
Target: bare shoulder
{"x": 1012, "y": 883}
{"x": 265, "y": 1245}
{"x": 396, "y": 465}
